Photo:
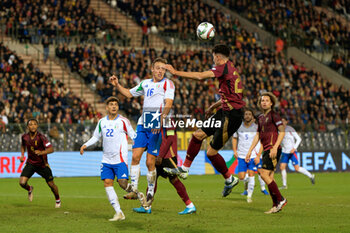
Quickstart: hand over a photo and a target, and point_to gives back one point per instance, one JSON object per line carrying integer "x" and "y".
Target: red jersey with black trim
{"x": 38, "y": 142}
{"x": 268, "y": 129}
{"x": 230, "y": 86}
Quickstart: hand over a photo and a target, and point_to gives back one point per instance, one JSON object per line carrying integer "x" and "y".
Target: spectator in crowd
{"x": 302, "y": 92}
{"x": 29, "y": 93}
{"x": 3, "y": 121}
{"x": 46, "y": 46}
{"x": 60, "y": 20}
{"x": 303, "y": 25}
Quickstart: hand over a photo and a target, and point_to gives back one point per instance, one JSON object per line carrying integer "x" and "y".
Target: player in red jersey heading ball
{"x": 38, "y": 147}
{"x": 230, "y": 115}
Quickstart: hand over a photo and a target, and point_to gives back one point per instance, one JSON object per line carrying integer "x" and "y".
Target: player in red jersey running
{"x": 270, "y": 133}
{"x": 38, "y": 147}
{"x": 230, "y": 115}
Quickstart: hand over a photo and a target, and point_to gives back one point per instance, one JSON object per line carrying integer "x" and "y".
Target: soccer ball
{"x": 205, "y": 31}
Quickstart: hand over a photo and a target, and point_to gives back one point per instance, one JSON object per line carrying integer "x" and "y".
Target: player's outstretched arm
{"x": 124, "y": 91}
{"x": 190, "y": 75}
{"x": 95, "y": 138}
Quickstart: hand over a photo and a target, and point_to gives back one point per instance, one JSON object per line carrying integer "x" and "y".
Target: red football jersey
{"x": 230, "y": 86}
{"x": 268, "y": 129}
{"x": 39, "y": 142}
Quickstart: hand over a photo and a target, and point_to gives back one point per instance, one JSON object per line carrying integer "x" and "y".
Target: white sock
{"x": 190, "y": 205}
{"x": 251, "y": 184}
{"x": 229, "y": 180}
{"x": 305, "y": 172}
{"x": 284, "y": 177}
{"x": 113, "y": 198}
{"x": 246, "y": 181}
{"x": 262, "y": 183}
{"x": 151, "y": 179}
{"x": 134, "y": 175}
{"x": 187, "y": 169}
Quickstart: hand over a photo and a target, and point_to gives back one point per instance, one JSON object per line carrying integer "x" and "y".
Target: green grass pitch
{"x": 323, "y": 207}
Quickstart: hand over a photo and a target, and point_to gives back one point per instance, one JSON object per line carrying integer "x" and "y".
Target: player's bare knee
{"x": 151, "y": 166}
{"x": 199, "y": 134}
{"x": 123, "y": 183}
{"x": 22, "y": 183}
{"x": 136, "y": 155}
{"x": 282, "y": 166}
{"x": 51, "y": 184}
{"x": 251, "y": 173}
{"x": 151, "y": 162}
{"x": 135, "y": 160}
{"x": 211, "y": 151}
{"x": 108, "y": 182}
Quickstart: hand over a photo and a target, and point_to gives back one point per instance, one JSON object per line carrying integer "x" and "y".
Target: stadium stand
{"x": 176, "y": 21}
{"x": 305, "y": 97}
{"x": 300, "y": 24}
{"x": 342, "y": 7}
{"x": 26, "y": 92}
{"x": 61, "y": 21}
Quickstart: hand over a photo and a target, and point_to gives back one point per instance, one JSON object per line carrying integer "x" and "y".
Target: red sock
{"x": 273, "y": 197}
{"x": 181, "y": 190}
{"x": 192, "y": 151}
{"x": 220, "y": 165}
{"x": 28, "y": 188}
{"x": 275, "y": 193}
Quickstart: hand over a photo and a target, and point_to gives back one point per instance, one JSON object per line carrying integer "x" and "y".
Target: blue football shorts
{"x": 286, "y": 157}
{"x": 145, "y": 138}
{"x": 243, "y": 166}
{"x": 110, "y": 171}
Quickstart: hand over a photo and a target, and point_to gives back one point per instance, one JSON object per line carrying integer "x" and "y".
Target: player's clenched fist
{"x": 113, "y": 80}
{"x": 170, "y": 68}
{"x": 82, "y": 148}
{"x": 21, "y": 159}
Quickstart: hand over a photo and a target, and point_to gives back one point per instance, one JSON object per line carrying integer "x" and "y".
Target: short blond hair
{"x": 273, "y": 99}
{"x": 159, "y": 59}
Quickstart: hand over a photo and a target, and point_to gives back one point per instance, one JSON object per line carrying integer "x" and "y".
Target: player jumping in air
{"x": 114, "y": 130}
{"x": 241, "y": 142}
{"x": 38, "y": 147}
{"x": 290, "y": 144}
{"x": 158, "y": 95}
{"x": 168, "y": 158}
{"x": 271, "y": 133}
{"x": 230, "y": 115}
